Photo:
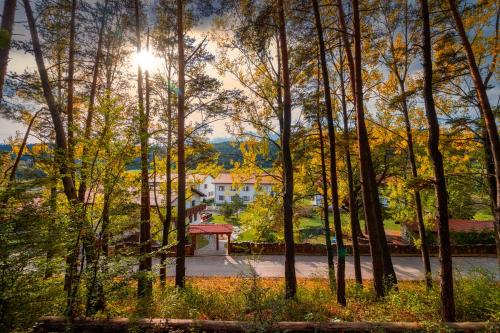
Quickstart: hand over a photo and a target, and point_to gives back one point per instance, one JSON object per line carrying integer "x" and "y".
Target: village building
{"x": 200, "y": 182}
{"x": 227, "y": 186}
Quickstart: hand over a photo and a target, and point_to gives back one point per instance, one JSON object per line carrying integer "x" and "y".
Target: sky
{"x": 19, "y": 61}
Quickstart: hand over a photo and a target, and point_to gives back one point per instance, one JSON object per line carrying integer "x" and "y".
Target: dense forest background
{"x": 228, "y": 153}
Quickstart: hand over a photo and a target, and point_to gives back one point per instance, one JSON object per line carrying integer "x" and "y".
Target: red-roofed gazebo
{"x": 211, "y": 229}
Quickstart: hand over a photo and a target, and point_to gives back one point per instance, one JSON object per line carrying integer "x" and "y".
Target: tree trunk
{"x": 353, "y": 205}
{"x": 52, "y": 227}
{"x": 9, "y": 12}
{"x": 180, "y": 264}
{"x": 61, "y": 145}
{"x": 71, "y": 90}
{"x": 389, "y": 273}
{"x": 424, "y": 249}
{"x": 447, "y": 301}
{"x": 364, "y": 149}
{"x": 290, "y": 278}
{"x": 490, "y": 169}
{"x": 168, "y": 214}
{"x": 90, "y": 111}
{"x": 105, "y": 226}
{"x": 144, "y": 286}
{"x": 61, "y": 159}
{"x": 341, "y": 251}
{"x": 326, "y": 219}
{"x": 484, "y": 103}
{"x": 96, "y": 300}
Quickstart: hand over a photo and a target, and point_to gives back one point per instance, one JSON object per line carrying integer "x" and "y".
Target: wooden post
{"x": 228, "y": 243}
{"x": 217, "y": 242}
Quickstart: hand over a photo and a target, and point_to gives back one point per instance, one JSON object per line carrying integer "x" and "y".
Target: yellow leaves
{"x": 15, "y": 149}
{"x": 479, "y": 15}
{"x": 39, "y": 149}
{"x": 400, "y": 49}
{"x": 79, "y": 150}
{"x": 389, "y": 87}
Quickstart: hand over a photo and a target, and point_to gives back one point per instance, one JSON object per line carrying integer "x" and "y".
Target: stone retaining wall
{"x": 320, "y": 249}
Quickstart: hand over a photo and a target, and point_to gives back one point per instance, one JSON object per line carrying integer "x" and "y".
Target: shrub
{"x": 477, "y": 297}
{"x": 472, "y": 238}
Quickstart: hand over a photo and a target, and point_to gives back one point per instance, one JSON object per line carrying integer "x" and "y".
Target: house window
{"x": 246, "y": 188}
{"x": 246, "y": 198}
{"x": 193, "y": 203}
{"x": 221, "y": 188}
{"x": 221, "y": 198}
{"x": 205, "y": 186}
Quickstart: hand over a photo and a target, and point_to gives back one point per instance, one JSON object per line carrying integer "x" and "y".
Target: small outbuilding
{"x": 211, "y": 229}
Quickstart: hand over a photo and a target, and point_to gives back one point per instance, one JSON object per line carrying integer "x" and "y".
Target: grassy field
{"x": 218, "y": 219}
{"x": 483, "y": 214}
{"x": 201, "y": 241}
{"x": 316, "y": 222}
{"x": 313, "y": 223}
{"x": 245, "y": 236}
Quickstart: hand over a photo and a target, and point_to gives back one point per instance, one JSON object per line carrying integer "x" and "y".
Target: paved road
{"x": 407, "y": 268}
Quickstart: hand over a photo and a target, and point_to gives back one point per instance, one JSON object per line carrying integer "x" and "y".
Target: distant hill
{"x": 4, "y": 148}
{"x": 220, "y": 139}
{"x": 229, "y": 152}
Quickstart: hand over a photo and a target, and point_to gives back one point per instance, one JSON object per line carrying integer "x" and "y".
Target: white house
{"x": 194, "y": 201}
{"x": 203, "y": 183}
{"x": 200, "y": 182}
{"x": 246, "y": 187}
{"x": 317, "y": 200}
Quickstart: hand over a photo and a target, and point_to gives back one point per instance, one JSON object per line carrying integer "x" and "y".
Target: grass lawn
{"x": 483, "y": 214}
{"x": 245, "y": 236}
{"x": 201, "y": 241}
{"x": 316, "y": 222}
{"x": 311, "y": 223}
{"x": 219, "y": 219}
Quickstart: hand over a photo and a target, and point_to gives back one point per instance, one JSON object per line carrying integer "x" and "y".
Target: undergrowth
{"x": 261, "y": 302}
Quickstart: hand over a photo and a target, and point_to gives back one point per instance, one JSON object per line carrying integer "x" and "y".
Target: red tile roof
{"x": 190, "y": 177}
{"x": 228, "y": 178}
{"x": 210, "y": 229}
{"x": 460, "y": 226}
